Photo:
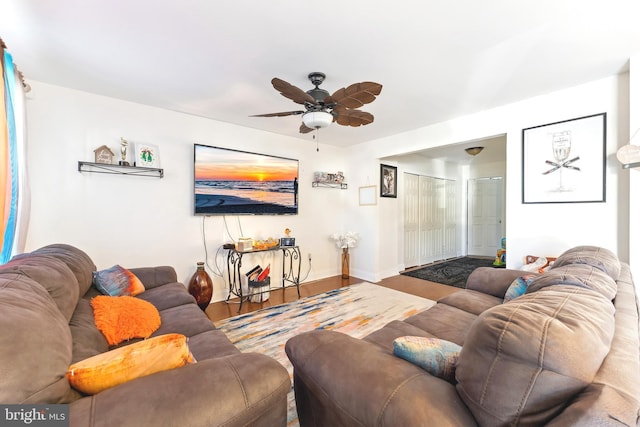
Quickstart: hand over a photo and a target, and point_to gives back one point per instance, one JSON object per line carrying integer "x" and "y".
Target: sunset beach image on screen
{"x": 234, "y": 182}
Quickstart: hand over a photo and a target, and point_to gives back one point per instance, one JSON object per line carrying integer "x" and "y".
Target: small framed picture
{"x": 388, "y": 181}
{"x": 367, "y": 195}
{"x": 147, "y": 155}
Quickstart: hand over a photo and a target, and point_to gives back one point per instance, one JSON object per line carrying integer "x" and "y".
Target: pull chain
{"x": 317, "y": 139}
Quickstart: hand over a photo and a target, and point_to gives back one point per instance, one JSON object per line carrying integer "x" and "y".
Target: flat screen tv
{"x": 234, "y": 182}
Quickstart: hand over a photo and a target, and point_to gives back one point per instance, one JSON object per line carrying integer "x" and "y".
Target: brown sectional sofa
{"x": 47, "y": 323}
{"x": 566, "y": 353}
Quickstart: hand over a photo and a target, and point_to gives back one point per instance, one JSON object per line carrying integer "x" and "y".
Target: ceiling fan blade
{"x": 355, "y": 118}
{"x": 292, "y": 92}
{"x": 355, "y": 95}
{"x": 282, "y": 114}
{"x": 305, "y": 129}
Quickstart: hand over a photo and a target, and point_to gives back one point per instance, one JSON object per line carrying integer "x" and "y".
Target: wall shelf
{"x": 630, "y": 165}
{"x": 340, "y": 185}
{"x": 119, "y": 170}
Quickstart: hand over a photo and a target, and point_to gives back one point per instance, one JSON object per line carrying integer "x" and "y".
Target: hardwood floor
{"x": 423, "y": 288}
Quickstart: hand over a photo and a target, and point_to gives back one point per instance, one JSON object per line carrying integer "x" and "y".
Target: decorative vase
{"x": 201, "y": 287}
{"x": 345, "y": 263}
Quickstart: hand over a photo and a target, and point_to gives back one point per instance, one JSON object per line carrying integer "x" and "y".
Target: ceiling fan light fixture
{"x": 473, "y": 151}
{"x": 317, "y": 119}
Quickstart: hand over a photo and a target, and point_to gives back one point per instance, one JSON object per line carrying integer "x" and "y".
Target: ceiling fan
{"x": 321, "y": 108}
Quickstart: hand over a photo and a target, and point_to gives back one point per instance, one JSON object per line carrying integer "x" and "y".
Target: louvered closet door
{"x": 450, "y": 242}
{"x": 411, "y": 220}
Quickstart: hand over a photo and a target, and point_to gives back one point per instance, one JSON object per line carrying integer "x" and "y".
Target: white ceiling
{"x": 435, "y": 59}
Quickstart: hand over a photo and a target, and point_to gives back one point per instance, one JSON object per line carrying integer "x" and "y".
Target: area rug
{"x": 453, "y": 272}
{"x": 356, "y": 310}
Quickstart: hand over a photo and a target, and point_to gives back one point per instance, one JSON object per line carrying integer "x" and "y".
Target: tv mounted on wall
{"x": 234, "y": 182}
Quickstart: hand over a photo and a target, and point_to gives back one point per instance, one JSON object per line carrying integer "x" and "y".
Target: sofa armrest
{"x": 238, "y": 390}
{"x": 493, "y": 281}
{"x": 343, "y": 381}
{"x": 152, "y": 277}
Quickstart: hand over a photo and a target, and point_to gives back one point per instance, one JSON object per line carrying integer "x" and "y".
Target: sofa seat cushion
{"x": 35, "y": 344}
{"x": 185, "y": 319}
{"x": 385, "y": 336}
{"x": 122, "y": 318}
{"x": 124, "y": 364}
{"x": 445, "y": 322}
{"x": 211, "y": 344}
{"x": 523, "y": 361}
{"x": 167, "y": 296}
{"x": 473, "y": 302}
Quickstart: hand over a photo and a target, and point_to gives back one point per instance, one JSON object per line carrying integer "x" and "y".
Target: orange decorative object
{"x": 122, "y": 318}
{"x": 123, "y": 364}
{"x": 266, "y": 244}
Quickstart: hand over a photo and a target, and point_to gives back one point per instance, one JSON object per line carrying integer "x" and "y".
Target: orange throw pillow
{"x": 125, "y": 317}
{"x": 123, "y": 364}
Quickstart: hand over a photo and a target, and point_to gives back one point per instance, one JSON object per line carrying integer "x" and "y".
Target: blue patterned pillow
{"x": 436, "y": 356}
{"x": 518, "y": 287}
{"x": 117, "y": 281}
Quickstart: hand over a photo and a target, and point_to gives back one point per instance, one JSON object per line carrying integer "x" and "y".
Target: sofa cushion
{"x": 125, "y": 317}
{"x": 51, "y": 273}
{"x": 436, "y": 356}
{"x": 35, "y": 344}
{"x": 123, "y": 364}
{"x": 523, "y": 361}
{"x": 445, "y": 322}
{"x": 117, "y": 281}
{"x": 186, "y": 319}
{"x": 167, "y": 296}
{"x": 78, "y": 261}
{"x": 385, "y": 336}
{"x": 87, "y": 338}
{"x": 581, "y": 275}
{"x": 474, "y": 302}
{"x": 600, "y": 258}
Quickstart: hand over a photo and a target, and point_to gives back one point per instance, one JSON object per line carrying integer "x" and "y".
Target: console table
{"x": 291, "y": 262}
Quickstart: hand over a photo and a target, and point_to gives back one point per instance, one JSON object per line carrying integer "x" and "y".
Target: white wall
{"x": 148, "y": 221}
{"x": 142, "y": 221}
{"x": 632, "y": 177}
{"x": 543, "y": 229}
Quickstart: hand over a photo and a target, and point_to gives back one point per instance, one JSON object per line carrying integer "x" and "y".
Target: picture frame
{"x": 388, "y": 181}
{"x": 565, "y": 162}
{"x": 367, "y": 195}
{"x": 146, "y": 155}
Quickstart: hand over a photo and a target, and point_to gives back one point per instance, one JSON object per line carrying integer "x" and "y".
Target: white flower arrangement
{"x": 346, "y": 240}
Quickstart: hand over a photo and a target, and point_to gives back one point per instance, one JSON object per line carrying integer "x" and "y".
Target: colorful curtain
{"x": 13, "y": 190}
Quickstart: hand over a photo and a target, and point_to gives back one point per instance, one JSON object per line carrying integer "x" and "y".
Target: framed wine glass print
{"x": 565, "y": 162}
{"x": 388, "y": 181}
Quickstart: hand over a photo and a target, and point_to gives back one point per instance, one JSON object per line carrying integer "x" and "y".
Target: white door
{"x": 411, "y": 220}
{"x": 484, "y": 216}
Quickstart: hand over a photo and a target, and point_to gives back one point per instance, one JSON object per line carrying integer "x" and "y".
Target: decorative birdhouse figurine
{"x": 104, "y": 154}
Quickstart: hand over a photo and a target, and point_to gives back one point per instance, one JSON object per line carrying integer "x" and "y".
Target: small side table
{"x": 291, "y": 263}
